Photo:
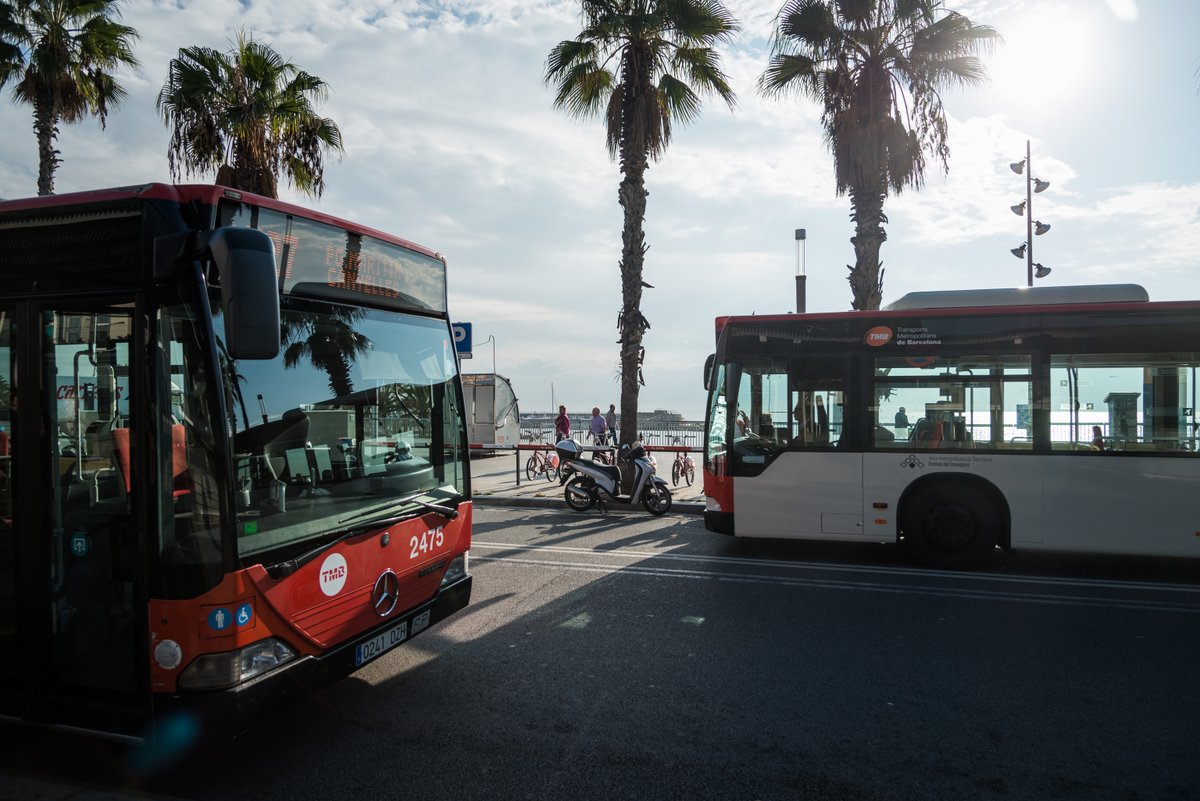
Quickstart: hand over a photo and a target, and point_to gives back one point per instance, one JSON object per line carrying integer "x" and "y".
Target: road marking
{"x": 841, "y": 568}
{"x": 667, "y": 571}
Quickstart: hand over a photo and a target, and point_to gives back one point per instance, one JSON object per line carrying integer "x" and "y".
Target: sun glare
{"x": 1044, "y": 57}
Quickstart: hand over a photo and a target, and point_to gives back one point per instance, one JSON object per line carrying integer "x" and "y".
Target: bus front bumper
{"x": 720, "y": 522}
{"x": 220, "y": 714}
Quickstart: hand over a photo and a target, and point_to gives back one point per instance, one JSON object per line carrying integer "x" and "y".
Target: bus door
{"x": 795, "y": 478}
{"x": 70, "y": 616}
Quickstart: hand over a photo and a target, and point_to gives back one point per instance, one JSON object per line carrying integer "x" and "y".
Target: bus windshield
{"x": 360, "y": 408}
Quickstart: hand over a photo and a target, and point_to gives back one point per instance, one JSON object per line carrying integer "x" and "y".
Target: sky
{"x": 452, "y": 142}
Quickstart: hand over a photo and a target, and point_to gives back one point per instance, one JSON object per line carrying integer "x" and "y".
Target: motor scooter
{"x": 589, "y": 483}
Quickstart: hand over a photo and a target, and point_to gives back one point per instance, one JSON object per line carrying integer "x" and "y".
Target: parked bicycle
{"x": 608, "y": 438}
{"x": 542, "y": 463}
{"x": 684, "y": 466}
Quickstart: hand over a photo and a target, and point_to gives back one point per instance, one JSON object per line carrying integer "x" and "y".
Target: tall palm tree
{"x": 60, "y": 56}
{"x": 247, "y": 115}
{"x": 329, "y": 342}
{"x": 642, "y": 65}
{"x": 877, "y": 67}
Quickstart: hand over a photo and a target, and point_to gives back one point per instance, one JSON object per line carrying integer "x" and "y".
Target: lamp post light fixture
{"x": 1025, "y": 209}
{"x": 800, "y": 276}
{"x": 491, "y": 338}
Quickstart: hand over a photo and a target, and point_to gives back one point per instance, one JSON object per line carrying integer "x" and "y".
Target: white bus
{"x": 1057, "y": 418}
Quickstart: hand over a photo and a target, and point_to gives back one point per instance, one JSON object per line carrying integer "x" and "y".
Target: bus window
{"x": 190, "y": 530}
{"x": 815, "y": 402}
{"x": 1138, "y": 402}
{"x": 953, "y": 402}
{"x": 8, "y": 577}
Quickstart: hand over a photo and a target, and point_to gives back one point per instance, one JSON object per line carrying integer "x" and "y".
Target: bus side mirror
{"x": 245, "y": 259}
{"x": 708, "y": 369}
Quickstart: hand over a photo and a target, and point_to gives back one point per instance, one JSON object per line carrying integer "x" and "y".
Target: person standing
{"x": 562, "y": 425}
{"x": 902, "y": 420}
{"x": 611, "y": 420}
{"x": 598, "y": 428}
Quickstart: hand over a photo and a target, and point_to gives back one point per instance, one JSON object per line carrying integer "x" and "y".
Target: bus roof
{"x": 949, "y": 303}
{"x": 205, "y": 193}
{"x": 1020, "y": 296}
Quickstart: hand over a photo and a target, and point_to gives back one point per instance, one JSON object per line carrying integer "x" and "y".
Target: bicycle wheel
{"x": 690, "y": 474}
{"x": 675, "y": 474}
{"x": 531, "y": 467}
{"x": 551, "y": 471}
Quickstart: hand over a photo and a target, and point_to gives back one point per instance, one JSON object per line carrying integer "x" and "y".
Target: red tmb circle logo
{"x": 879, "y": 335}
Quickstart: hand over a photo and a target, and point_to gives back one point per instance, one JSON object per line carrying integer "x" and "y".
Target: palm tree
{"x": 60, "y": 56}
{"x": 329, "y": 342}
{"x": 643, "y": 65}
{"x": 877, "y": 68}
{"x": 247, "y": 115}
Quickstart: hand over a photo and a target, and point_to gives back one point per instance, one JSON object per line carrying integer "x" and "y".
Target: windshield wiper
{"x": 445, "y": 511}
{"x": 289, "y": 566}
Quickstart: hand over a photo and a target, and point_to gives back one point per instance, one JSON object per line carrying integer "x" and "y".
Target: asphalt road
{"x": 630, "y": 657}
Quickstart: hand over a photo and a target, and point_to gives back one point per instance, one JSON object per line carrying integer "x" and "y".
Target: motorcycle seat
{"x": 612, "y": 471}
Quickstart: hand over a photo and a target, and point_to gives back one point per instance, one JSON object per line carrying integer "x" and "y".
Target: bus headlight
{"x": 457, "y": 569}
{"x": 711, "y": 504}
{"x": 218, "y": 671}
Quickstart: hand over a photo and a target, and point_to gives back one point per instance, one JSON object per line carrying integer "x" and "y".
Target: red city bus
{"x": 233, "y": 459}
{"x": 1050, "y": 418}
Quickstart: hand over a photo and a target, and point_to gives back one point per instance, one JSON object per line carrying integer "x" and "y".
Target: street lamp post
{"x": 1025, "y": 209}
{"x": 800, "y": 277}
{"x": 491, "y": 338}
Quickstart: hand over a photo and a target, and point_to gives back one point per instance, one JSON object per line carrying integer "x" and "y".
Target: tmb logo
{"x": 879, "y": 335}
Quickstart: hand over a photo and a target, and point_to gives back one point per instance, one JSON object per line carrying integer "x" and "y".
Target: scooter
{"x": 589, "y": 483}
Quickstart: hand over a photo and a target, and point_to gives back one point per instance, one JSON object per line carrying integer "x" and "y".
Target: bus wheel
{"x": 951, "y": 525}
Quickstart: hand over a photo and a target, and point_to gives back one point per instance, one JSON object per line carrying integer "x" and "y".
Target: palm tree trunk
{"x": 45, "y": 125}
{"x": 632, "y": 197}
{"x": 866, "y": 276}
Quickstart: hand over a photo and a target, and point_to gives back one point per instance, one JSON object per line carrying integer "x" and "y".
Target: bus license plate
{"x": 366, "y": 651}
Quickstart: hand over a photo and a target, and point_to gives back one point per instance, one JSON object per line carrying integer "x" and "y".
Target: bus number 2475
{"x": 426, "y": 543}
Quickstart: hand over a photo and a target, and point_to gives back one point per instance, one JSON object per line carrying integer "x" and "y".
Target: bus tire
{"x": 951, "y": 524}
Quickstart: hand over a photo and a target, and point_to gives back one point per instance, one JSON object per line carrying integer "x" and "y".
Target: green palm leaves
{"x": 60, "y": 56}
{"x": 248, "y": 115}
{"x": 642, "y": 64}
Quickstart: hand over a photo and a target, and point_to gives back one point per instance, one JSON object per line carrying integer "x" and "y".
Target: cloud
{"x": 1124, "y": 10}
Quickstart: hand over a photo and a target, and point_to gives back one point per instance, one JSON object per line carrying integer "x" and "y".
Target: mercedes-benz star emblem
{"x": 386, "y": 593}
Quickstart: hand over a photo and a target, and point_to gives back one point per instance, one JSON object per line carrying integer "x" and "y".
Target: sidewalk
{"x": 494, "y": 483}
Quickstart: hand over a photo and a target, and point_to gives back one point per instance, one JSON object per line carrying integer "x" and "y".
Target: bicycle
{"x": 542, "y": 463}
{"x": 603, "y": 457}
{"x": 684, "y": 466}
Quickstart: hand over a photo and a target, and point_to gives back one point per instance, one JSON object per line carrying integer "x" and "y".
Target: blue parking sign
{"x": 462, "y": 339}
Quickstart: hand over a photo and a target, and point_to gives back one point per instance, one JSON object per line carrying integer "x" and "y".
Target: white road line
{"x": 896, "y": 589}
{"x": 837, "y": 568}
